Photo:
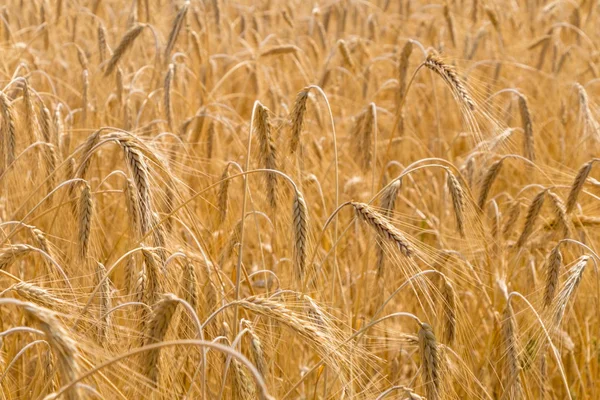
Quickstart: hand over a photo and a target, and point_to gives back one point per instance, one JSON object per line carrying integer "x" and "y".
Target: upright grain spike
{"x": 267, "y": 151}
{"x": 300, "y": 227}
{"x": 8, "y": 134}
{"x": 86, "y": 207}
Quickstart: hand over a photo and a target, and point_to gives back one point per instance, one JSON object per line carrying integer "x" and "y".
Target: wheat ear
{"x": 300, "y": 221}
{"x": 104, "y": 299}
{"x": 569, "y": 288}
{"x": 9, "y": 143}
{"x": 430, "y": 362}
{"x": 175, "y": 29}
{"x": 383, "y": 227}
{"x": 388, "y": 201}
{"x": 160, "y": 319}
{"x": 62, "y": 344}
{"x": 458, "y": 202}
{"x": 487, "y": 182}
{"x": 297, "y": 118}
{"x": 553, "y": 264}
{"x": 102, "y": 48}
{"x": 124, "y": 45}
{"x": 167, "y": 89}
{"x": 86, "y": 207}
{"x": 256, "y": 349}
{"x": 437, "y": 65}
{"x": 559, "y": 209}
{"x": 511, "y": 358}
{"x": 528, "y": 145}
{"x": 532, "y": 214}
{"x": 267, "y": 151}
{"x": 449, "y": 302}
{"x": 577, "y": 185}
{"x": 224, "y": 195}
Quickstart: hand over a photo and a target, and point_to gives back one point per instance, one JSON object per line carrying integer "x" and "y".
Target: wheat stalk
{"x": 168, "y": 105}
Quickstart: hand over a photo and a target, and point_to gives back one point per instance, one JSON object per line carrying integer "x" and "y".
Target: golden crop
{"x": 289, "y": 199}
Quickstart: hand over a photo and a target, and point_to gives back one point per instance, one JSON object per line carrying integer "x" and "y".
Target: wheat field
{"x": 285, "y": 199}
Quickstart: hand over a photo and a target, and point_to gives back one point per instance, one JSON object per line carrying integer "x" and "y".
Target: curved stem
{"x": 554, "y": 351}
{"x": 191, "y": 342}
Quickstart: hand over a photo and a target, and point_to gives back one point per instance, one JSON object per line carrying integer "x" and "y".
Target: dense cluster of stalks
{"x": 299, "y": 200}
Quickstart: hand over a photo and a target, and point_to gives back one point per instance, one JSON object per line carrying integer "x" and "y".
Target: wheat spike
{"x": 569, "y": 288}
{"x": 458, "y": 202}
{"x": 532, "y": 214}
{"x": 160, "y": 319}
{"x": 62, "y": 344}
{"x": 509, "y": 333}
{"x": 434, "y": 63}
{"x": 553, "y": 264}
{"x": 487, "y": 182}
{"x": 300, "y": 227}
{"x": 577, "y": 185}
{"x": 528, "y": 147}
{"x": 430, "y": 362}
{"x": 388, "y": 201}
{"x": 224, "y": 195}
{"x": 9, "y": 141}
{"x": 267, "y": 151}
{"x": 383, "y": 227}
{"x": 297, "y": 118}
{"x": 124, "y": 45}
{"x": 175, "y": 29}
{"x": 86, "y": 207}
